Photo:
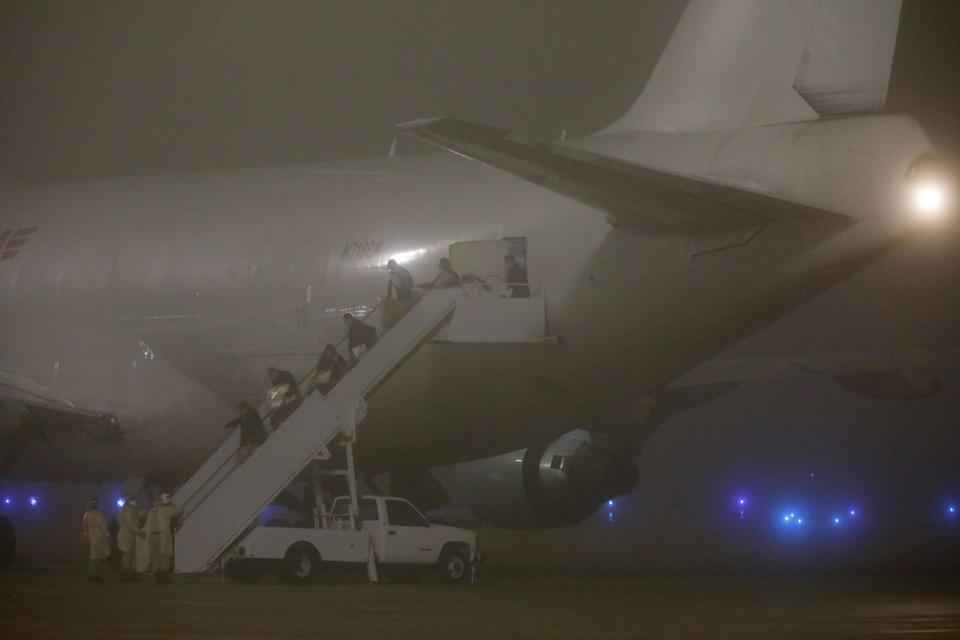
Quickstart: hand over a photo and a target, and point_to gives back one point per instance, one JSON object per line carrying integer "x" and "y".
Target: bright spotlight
{"x": 929, "y": 200}
{"x": 928, "y": 188}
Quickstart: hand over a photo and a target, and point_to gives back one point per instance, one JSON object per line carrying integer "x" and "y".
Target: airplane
{"x": 754, "y": 172}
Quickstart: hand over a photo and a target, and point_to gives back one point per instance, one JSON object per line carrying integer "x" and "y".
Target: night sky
{"x": 92, "y": 89}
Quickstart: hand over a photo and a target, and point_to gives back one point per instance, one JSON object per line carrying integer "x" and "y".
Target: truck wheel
{"x": 245, "y": 571}
{"x": 454, "y": 565}
{"x": 299, "y": 564}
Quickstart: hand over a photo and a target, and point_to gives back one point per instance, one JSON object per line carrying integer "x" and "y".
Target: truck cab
{"x": 403, "y": 535}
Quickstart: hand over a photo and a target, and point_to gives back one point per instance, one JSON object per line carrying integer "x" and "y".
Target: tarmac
{"x": 340, "y": 604}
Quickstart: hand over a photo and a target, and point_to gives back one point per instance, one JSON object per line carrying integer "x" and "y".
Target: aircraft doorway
{"x": 483, "y": 260}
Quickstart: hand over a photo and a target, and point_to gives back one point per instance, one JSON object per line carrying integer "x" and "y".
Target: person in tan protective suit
{"x": 130, "y": 530}
{"x": 160, "y": 522}
{"x": 97, "y": 537}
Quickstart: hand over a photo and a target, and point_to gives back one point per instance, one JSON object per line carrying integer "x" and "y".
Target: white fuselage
{"x": 162, "y": 300}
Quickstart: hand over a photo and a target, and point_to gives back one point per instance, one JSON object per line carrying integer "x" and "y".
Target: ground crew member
{"x": 97, "y": 537}
{"x": 130, "y": 530}
{"x": 153, "y": 537}
{"x": 166, "y": 513}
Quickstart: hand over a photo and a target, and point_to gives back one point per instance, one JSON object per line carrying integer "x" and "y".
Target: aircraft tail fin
{"x": 732, "y": 64}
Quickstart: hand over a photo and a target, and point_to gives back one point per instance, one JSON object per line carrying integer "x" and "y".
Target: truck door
{"x": 409, "y": 538}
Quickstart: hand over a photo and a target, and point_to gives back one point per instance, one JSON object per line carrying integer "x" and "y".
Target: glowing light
{"x": 405, "y": 256}
{"x": 121, "y": 502}
{"x": 34, "y": 501}
{"x": 929, "y": 199}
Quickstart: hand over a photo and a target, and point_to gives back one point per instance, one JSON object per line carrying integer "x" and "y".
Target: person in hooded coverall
{"x": 160, "y": 522}
{"x": 97, "y": 536}
{"x": 130, "y": 530}
{"x": 153, "y": 537}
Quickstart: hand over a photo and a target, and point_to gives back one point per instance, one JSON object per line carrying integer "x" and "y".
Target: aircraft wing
{"x": 891, "y": 375}
{"x": 29, "y": 392}
{"x": 637, "y": 199}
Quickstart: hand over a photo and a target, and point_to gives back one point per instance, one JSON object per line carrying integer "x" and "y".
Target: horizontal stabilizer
{"x": 636, "y": 198}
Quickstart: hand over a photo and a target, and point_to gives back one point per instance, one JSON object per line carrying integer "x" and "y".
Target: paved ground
{"x": 60, "y": 604}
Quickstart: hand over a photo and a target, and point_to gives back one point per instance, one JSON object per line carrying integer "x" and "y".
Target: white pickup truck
{"x": 390, "y": 528}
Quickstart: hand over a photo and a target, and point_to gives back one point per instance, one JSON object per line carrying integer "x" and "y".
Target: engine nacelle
{"x": 562, "y": 483}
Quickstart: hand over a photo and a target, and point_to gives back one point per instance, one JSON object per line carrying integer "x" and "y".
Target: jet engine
{"x": 561, "y": 483}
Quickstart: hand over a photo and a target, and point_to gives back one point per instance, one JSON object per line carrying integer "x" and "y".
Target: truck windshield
{"x": 402, "y": 514}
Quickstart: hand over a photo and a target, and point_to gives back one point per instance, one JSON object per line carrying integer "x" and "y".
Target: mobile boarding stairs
{"x": 224, "y": 497}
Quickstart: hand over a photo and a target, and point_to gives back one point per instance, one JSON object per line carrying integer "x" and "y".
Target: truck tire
{"x": 245, "y": 571}
{"x": 454, "y": 565}
{"x": 299, "y": 564}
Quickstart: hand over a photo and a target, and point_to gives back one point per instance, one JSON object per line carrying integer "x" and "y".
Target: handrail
{"x": 265, "y": 416}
